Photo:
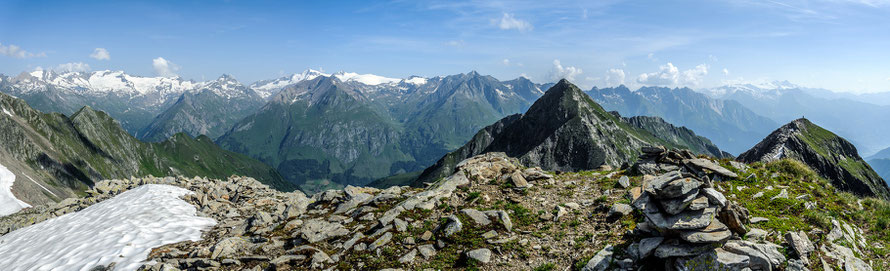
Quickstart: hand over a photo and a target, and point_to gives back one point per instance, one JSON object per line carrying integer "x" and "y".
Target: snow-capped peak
{"x": 367, "y": 79}
{"x": 775, "y": 85}
{"x": 267, "y": 88}
{"x": 756, "y": 89}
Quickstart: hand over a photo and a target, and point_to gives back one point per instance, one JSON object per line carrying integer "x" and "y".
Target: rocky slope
{"x": 833, "y": 157}
{"x": 567, "y": 131}
{"x": 494, "y": 214}
{"x": 55, "y": 157}
{"x": 210, "y": 110}
{"x": 729, "y": 124}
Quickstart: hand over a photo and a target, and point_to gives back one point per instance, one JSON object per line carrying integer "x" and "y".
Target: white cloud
{"x": 615, "y": 77}
{"x": 17, "y": 52}
{"x": 712, "y": 58}
{"x": 694, "y": 76}
{"x": 725, "y": 71}
{"x": 164, "y": 67}
{"x": 100, "y": 54}
{"x": 560, "y": 72}
{"x": 506, "y": 62}
{"x": 508, "y": 22}
{"x": 73, "y": 67}
{"x": 670, "y": 75}
{"x": 651, "y": 56}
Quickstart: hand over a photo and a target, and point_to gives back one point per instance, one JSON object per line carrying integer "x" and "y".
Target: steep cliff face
{"x": 54, "y": 156}
{"x": 831, "y": 156}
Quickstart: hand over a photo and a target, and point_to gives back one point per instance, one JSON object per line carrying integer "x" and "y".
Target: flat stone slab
{"x": 710, "y": 165}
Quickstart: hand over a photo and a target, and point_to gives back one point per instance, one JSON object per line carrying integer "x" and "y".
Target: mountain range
{"x": 328, "y": 130}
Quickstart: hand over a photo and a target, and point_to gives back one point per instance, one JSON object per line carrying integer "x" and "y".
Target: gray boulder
{"x": 482, "y": 255}
{"x": 319, "y": 230}
{"x": 600, "y": 261}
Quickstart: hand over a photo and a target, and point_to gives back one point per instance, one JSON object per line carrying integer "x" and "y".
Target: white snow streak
{"x": 122, "y": 229}
{"x": 41, "y": 186}
{"x": 8, "y": 203}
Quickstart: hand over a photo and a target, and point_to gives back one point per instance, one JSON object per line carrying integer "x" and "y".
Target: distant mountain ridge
{"x": 831, "y": 156}
{"x": 730, "y": 125}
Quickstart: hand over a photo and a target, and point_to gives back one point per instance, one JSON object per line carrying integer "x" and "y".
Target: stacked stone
{"x": 681, "y": 216}
{"x": 690, "y": 225}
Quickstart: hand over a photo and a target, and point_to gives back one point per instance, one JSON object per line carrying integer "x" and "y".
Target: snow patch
{"x": 6, "y": 112}
{"x": 8, "y": 203}
{"x": 122, "y": 229}
{"x": 416, "y": 80}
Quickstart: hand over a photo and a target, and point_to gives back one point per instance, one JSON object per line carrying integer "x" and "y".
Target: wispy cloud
{"x": 455, "y": 43}
{"x": 17, "y": 52}
{"x": 73, "y": 67}
{"x": 615, "y": 77}
{"x": 670, "y": 75}
{"x": 508, "y": 22}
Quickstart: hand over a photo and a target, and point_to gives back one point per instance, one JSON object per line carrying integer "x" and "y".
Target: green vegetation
{"x": 545, "y": 267}
{"x": 804, "y": 185}
{"x": 520, "y": 215}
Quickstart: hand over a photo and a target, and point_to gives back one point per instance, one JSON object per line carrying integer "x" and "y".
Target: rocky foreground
{"x": 675, "y": 212}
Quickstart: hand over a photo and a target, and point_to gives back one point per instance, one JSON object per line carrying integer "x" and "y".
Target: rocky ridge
{"x": 494, "y": 214}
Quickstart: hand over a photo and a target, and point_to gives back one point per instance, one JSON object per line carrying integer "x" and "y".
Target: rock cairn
{"x": 689, "y": 224}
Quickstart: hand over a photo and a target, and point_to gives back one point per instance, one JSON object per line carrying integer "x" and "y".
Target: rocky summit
{"x": 833, "y": 157}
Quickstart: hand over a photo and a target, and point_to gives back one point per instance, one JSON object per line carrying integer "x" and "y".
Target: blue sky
{"x": 835, "y": 44}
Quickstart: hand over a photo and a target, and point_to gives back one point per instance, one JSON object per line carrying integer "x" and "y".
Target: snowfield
{"x": 8, "y": 203}
{"x": 122, "y": 229}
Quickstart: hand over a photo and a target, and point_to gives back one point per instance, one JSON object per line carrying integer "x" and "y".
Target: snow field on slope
{"x": 8, "y": 203}
{"x": 122, "y": 229}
